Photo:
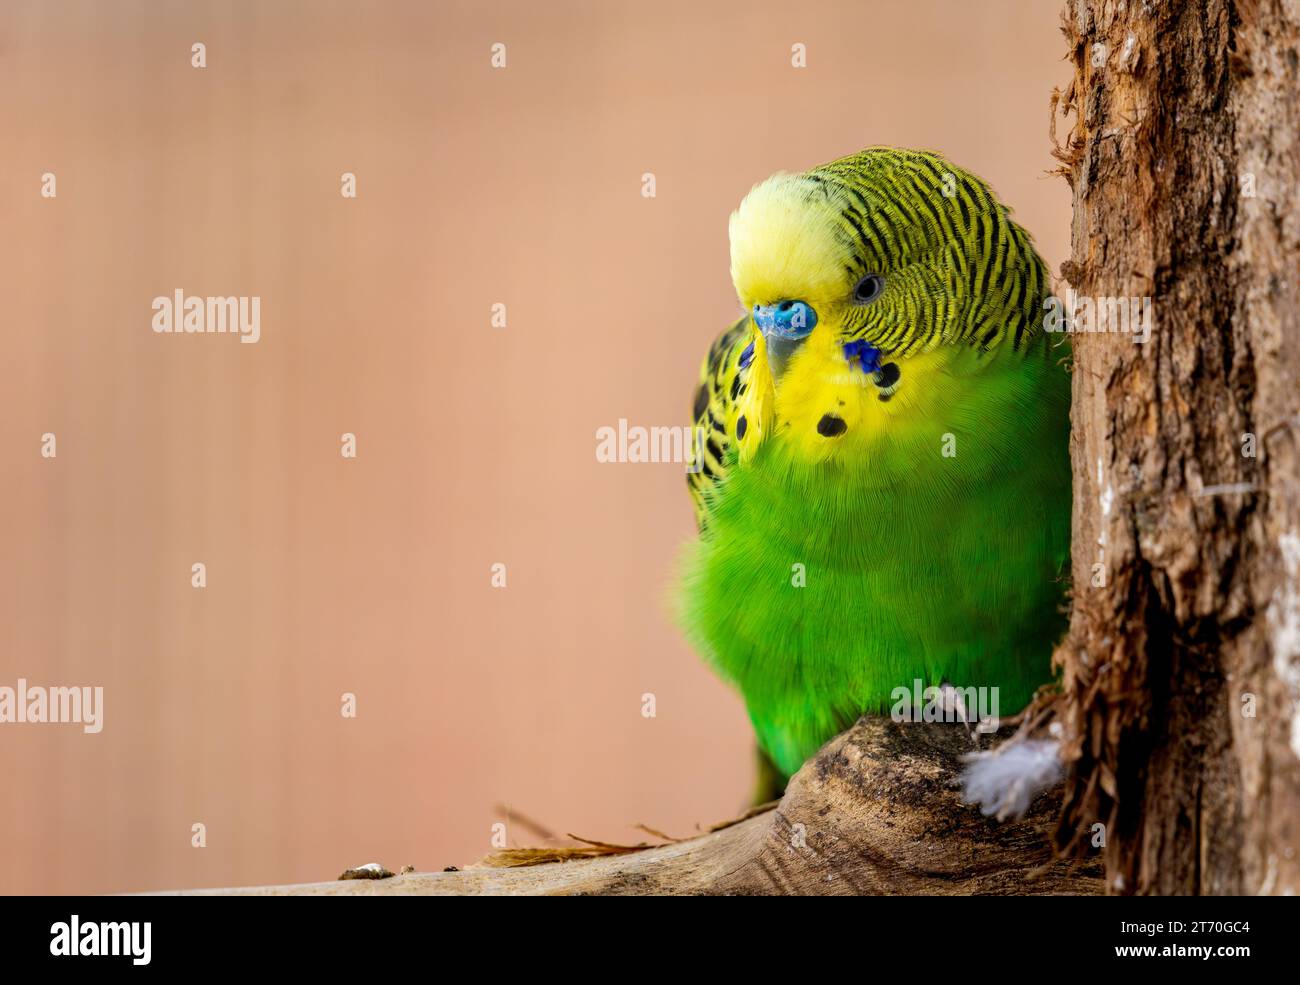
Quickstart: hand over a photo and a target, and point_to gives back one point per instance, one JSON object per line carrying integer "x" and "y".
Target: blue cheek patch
{"x": 747, "y": 356}
{"x": 865, "y": 353}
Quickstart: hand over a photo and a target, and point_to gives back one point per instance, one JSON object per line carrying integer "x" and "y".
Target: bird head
{"x": 880, "y": 288}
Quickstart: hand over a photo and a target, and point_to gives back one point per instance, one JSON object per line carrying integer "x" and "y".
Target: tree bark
{"x": 876, "y": 812}
{"x": 1182, "y": 666}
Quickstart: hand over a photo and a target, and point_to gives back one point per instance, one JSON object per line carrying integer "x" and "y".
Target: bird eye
{"x": 868, "y": 288}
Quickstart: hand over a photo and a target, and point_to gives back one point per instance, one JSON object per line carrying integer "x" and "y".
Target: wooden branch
{"x": 876, "y": 812}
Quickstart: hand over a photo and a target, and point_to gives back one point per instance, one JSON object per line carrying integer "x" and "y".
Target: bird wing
{"x": 716, "y": 415}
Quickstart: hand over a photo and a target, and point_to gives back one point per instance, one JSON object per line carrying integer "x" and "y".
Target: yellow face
{"x": 811, "y": 396}
{"x": 823, "y": 409}
{"x": 892, "y": 302}
{"x": 784, "y": 247}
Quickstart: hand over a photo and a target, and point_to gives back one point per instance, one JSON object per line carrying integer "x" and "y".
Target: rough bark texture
{"x": 1182, "y": 668}
{"x": 876, "y": 812}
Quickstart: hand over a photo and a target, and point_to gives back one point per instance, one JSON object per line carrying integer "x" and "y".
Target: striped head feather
{"x": 911, "y": 283}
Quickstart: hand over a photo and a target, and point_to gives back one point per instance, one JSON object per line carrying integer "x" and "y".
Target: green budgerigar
{"x": 884, "y": 495}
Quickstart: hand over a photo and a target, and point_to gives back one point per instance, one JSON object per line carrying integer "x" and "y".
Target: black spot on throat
{"x": 887, "y": 375}
{"x": 831, "y": 426}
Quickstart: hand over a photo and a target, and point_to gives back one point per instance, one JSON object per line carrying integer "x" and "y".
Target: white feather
{"x": 1005, "y": 780}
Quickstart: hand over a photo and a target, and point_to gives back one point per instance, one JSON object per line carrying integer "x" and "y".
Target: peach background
{"x": 476, "y": 445}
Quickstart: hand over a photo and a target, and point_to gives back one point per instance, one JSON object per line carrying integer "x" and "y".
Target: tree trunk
{"x": 1182, "y": 666}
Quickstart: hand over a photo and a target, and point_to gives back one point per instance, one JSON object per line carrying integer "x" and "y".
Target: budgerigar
{"x": 885, "y": 491}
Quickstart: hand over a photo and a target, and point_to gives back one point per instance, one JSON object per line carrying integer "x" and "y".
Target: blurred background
{"x": 475, "y": 444}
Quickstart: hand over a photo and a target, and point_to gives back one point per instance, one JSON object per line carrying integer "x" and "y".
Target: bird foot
{"x": 953, "y": 705}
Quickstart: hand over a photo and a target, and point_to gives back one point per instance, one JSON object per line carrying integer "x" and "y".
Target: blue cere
{"x": 786, "y": 320}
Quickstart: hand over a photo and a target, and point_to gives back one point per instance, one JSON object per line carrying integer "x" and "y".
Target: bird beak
{"x": 784, "y": 325}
